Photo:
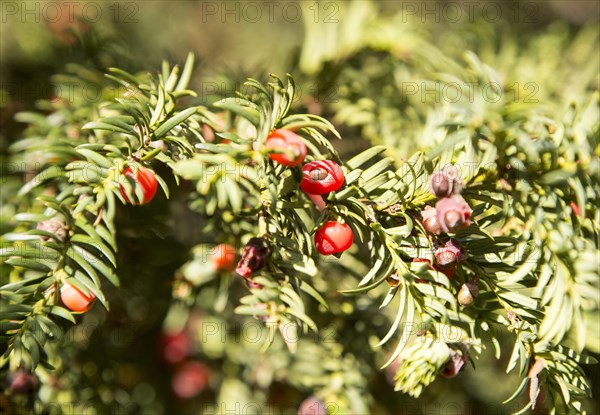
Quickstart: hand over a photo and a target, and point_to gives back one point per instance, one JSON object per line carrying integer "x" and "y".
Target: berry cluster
{"x": 189, "y": 377}
{"x": 72, "y": 297}
{"x": 318, "y": 178}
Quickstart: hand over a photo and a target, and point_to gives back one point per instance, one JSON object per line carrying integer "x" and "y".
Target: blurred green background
{"x": 232, "y": 40}
{"x": 242, "y": 37}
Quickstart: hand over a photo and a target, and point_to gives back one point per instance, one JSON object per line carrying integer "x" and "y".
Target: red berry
{"x": 288, "y": 142}
{"x": 175, "y": 346}
{"x": 223, "y": 258}
{"x": 74, "y": 299}
{"x": 320, "y": 177}
{"x": 575, "y": 208}
{"x": 21, "y": 381}
{"x": 333, "y": 237}
{"x": 190, "y": 379}
{"x": 143, "y": 177}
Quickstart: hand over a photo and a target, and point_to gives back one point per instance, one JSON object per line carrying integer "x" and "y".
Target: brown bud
{"x": 253, "y": 258}
{"x": 467, "y": 294}
{"x": 55, "y": 226}
{"x": 430, "y": 221}
{"x": 454, "y": 364}
{"x": 449, "y": 255}
{"x": 446, "y": 259}
{"x": 393, "y": 280}
{"x": 453, "y": 213}
{"x": 441, "y": 184}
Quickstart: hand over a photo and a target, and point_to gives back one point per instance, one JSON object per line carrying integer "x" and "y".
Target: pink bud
{"x": 430, "y": 221}
{"x": 56, "y": 226}
{"x": 312, "y": 406}
{"x": 453, "y": 213}
{"x": 446, "y": 182}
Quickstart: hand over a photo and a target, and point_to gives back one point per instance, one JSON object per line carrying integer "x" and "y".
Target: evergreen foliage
{"x": 523, "y": 146}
